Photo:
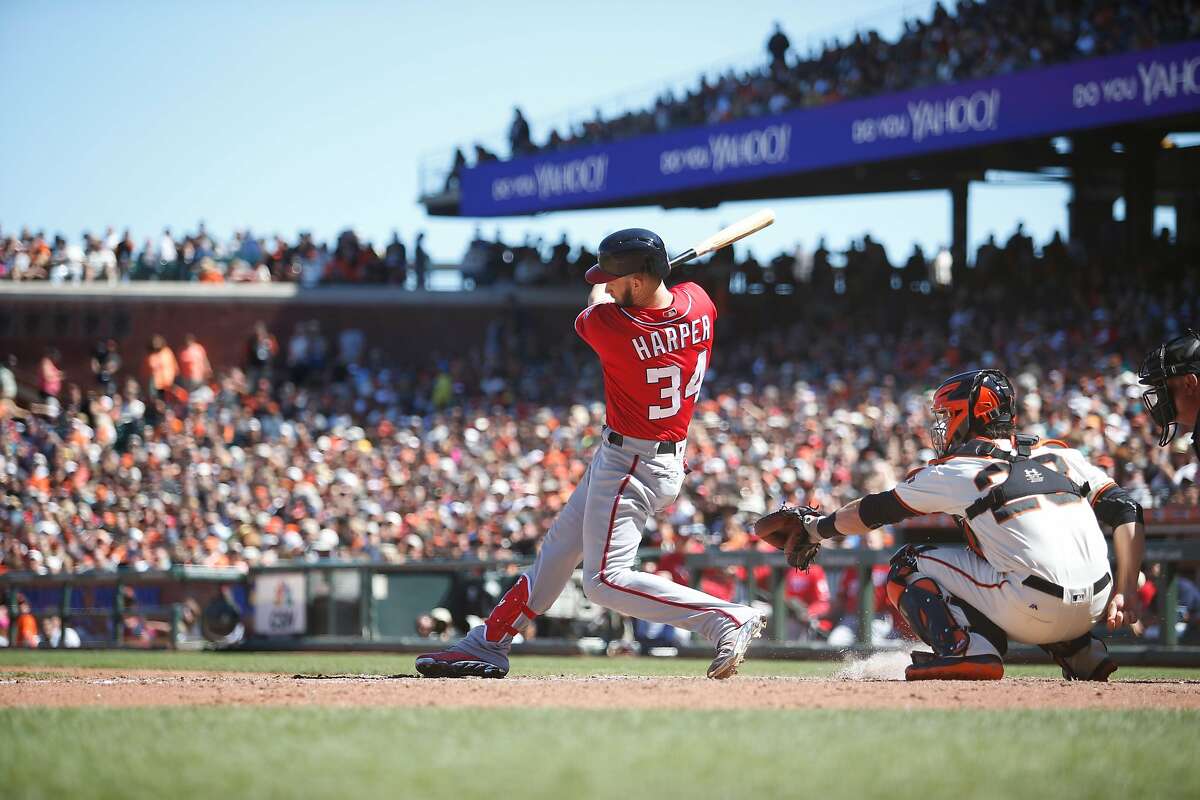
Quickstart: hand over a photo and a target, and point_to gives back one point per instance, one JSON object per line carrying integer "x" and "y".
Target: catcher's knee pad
{"x": 515, "y": 603}
{"x": 1082, "y": 659}
{"x": 927, "y": 613}
{"x": 904, "y": 566}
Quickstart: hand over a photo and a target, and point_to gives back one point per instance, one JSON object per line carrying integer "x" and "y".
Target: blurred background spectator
{"x": 336, "y": 454}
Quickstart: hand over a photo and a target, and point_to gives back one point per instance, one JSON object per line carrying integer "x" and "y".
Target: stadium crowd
{"x": 246, "y": 258}
{"x": 315, "y": 448}
{"x": 199, "y": 256}
{"x": 976, "y": 40}
{"x": 205, "y": 258}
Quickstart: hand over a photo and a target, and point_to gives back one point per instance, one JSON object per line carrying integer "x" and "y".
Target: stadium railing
{"x": 105, "y": 607}
{"x": 347, "y": 605}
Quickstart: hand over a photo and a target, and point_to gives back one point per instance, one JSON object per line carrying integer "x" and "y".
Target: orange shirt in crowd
{"x": 27, "y": 631}
{"x": 193, "y": 362}
{"x": 163, "y": 368}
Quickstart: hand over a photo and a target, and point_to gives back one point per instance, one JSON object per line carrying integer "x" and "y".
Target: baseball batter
{"x": 1036, "y": 566}
{"x": 654, "y": 345}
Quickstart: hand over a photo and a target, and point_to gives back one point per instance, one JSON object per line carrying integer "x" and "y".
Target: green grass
{"x": 285, "y": 752}
{"x": 424, "y": 753}
{"x": 531, "y": 666}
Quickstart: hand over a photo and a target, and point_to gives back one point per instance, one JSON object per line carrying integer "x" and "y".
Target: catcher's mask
{"x": 1180, "y": 356}
{"x": 965, "y": 404}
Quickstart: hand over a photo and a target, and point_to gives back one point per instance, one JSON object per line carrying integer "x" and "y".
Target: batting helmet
{"x": 629, "y": 252}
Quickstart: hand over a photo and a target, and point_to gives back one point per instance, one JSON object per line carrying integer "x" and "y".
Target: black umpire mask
{"x": 1179, "y": 356}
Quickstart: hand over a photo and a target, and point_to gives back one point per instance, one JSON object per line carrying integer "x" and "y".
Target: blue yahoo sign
{"x": 1042, "y": 102}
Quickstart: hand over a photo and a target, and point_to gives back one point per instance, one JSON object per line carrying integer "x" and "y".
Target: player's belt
{"x": 662, "y": 448}
{"x": 1052, "y": 588}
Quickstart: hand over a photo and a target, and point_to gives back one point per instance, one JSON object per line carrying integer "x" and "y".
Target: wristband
{"x": 827, "y": 527}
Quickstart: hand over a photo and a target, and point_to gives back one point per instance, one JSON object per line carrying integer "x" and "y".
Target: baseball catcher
{"x": 1035, "y": 568}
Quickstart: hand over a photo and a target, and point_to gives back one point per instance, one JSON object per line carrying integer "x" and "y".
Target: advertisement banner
{"x": 1039, "y": 102}
{"x": 279, "y": 604}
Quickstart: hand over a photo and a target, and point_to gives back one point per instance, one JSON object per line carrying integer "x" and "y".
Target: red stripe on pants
{"x": 965, "y": 575}
{"x": 612, "y": 520}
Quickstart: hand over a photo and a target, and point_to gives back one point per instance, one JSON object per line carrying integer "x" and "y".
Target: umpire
{"x": 1172, "y": 371}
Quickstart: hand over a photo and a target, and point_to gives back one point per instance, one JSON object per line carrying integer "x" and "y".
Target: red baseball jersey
{"x": 653, "y": 359}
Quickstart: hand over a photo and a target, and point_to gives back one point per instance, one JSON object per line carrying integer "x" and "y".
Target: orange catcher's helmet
{"x": 965, "y": 404}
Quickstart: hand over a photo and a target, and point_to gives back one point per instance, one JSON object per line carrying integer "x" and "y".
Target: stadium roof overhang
{"x": 1051, "y": 121}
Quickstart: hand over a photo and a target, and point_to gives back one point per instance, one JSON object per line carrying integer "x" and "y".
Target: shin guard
{"x": 927, "y": 613}
{"x": 1082, "y": 659}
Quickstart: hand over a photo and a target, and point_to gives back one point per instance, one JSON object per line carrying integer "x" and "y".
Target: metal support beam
{"x": 119, "y": 615}
{"x": 866, "y": 599}
{"x": 1168, "y": 607}
{"x": 779, "y": 603}
{"x": 13, "y": 612}
{"x": 1141, "y": 152}
{"x": 1187, "y": 220}
{"x": 959, "y": 201}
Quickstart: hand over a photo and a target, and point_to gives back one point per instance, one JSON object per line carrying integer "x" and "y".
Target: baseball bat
{"x": 726, "y": 236}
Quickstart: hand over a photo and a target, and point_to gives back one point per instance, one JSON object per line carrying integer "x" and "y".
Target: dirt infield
{"x": 106, "y": 687}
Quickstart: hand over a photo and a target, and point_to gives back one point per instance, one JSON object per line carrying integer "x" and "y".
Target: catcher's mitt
{"x": 792, "y": 529}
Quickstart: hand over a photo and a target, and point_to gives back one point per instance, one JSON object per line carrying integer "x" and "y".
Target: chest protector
{"x": 1028, "y": 477}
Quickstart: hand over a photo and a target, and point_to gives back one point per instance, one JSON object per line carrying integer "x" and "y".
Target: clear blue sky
{"x": 283, "y": 116}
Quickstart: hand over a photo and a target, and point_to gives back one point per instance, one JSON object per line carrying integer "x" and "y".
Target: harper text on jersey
{"x": 672, "y": 337}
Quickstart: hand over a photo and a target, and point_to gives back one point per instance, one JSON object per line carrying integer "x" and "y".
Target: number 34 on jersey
{"x": 672, "y": 376}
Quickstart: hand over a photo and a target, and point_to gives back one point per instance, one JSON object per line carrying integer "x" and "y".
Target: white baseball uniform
{"x": 1044, "y": 540}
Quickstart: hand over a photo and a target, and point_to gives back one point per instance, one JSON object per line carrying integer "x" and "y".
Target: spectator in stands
{"x": 8, "y": 378}
{"x": 106, "y": 363}
{"x": 987, "y": 257}
{"x": 261, "y": 350}
{"x": 136, "y": 630}
{"x": 168, "y": 253}
{"x": 50, "y": 377}
{"x": 350, "y": 352}
{"x": 916, "y": 270}
{"x": 146, "y": 267}
{"x": 977, "y": 41}
{"x": 459, "y": 164}
{"x": 299, "y": 361}
{"x": 420, "y": 260}
{"x": 194, "y": 368}
{"x": 518, "y": 134}
{"x": 55, "y": 634}
{"x": 777, "y": 47}
{"x": 161, "y": 368}
{"x": 471, "y": 455}
{"x": 124, "y": 255}
{"x": 208, "y": 272}
{"x": 808, "y": 602}
{"x": 395, "y": 260}
{"x": 26, "y": 625}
